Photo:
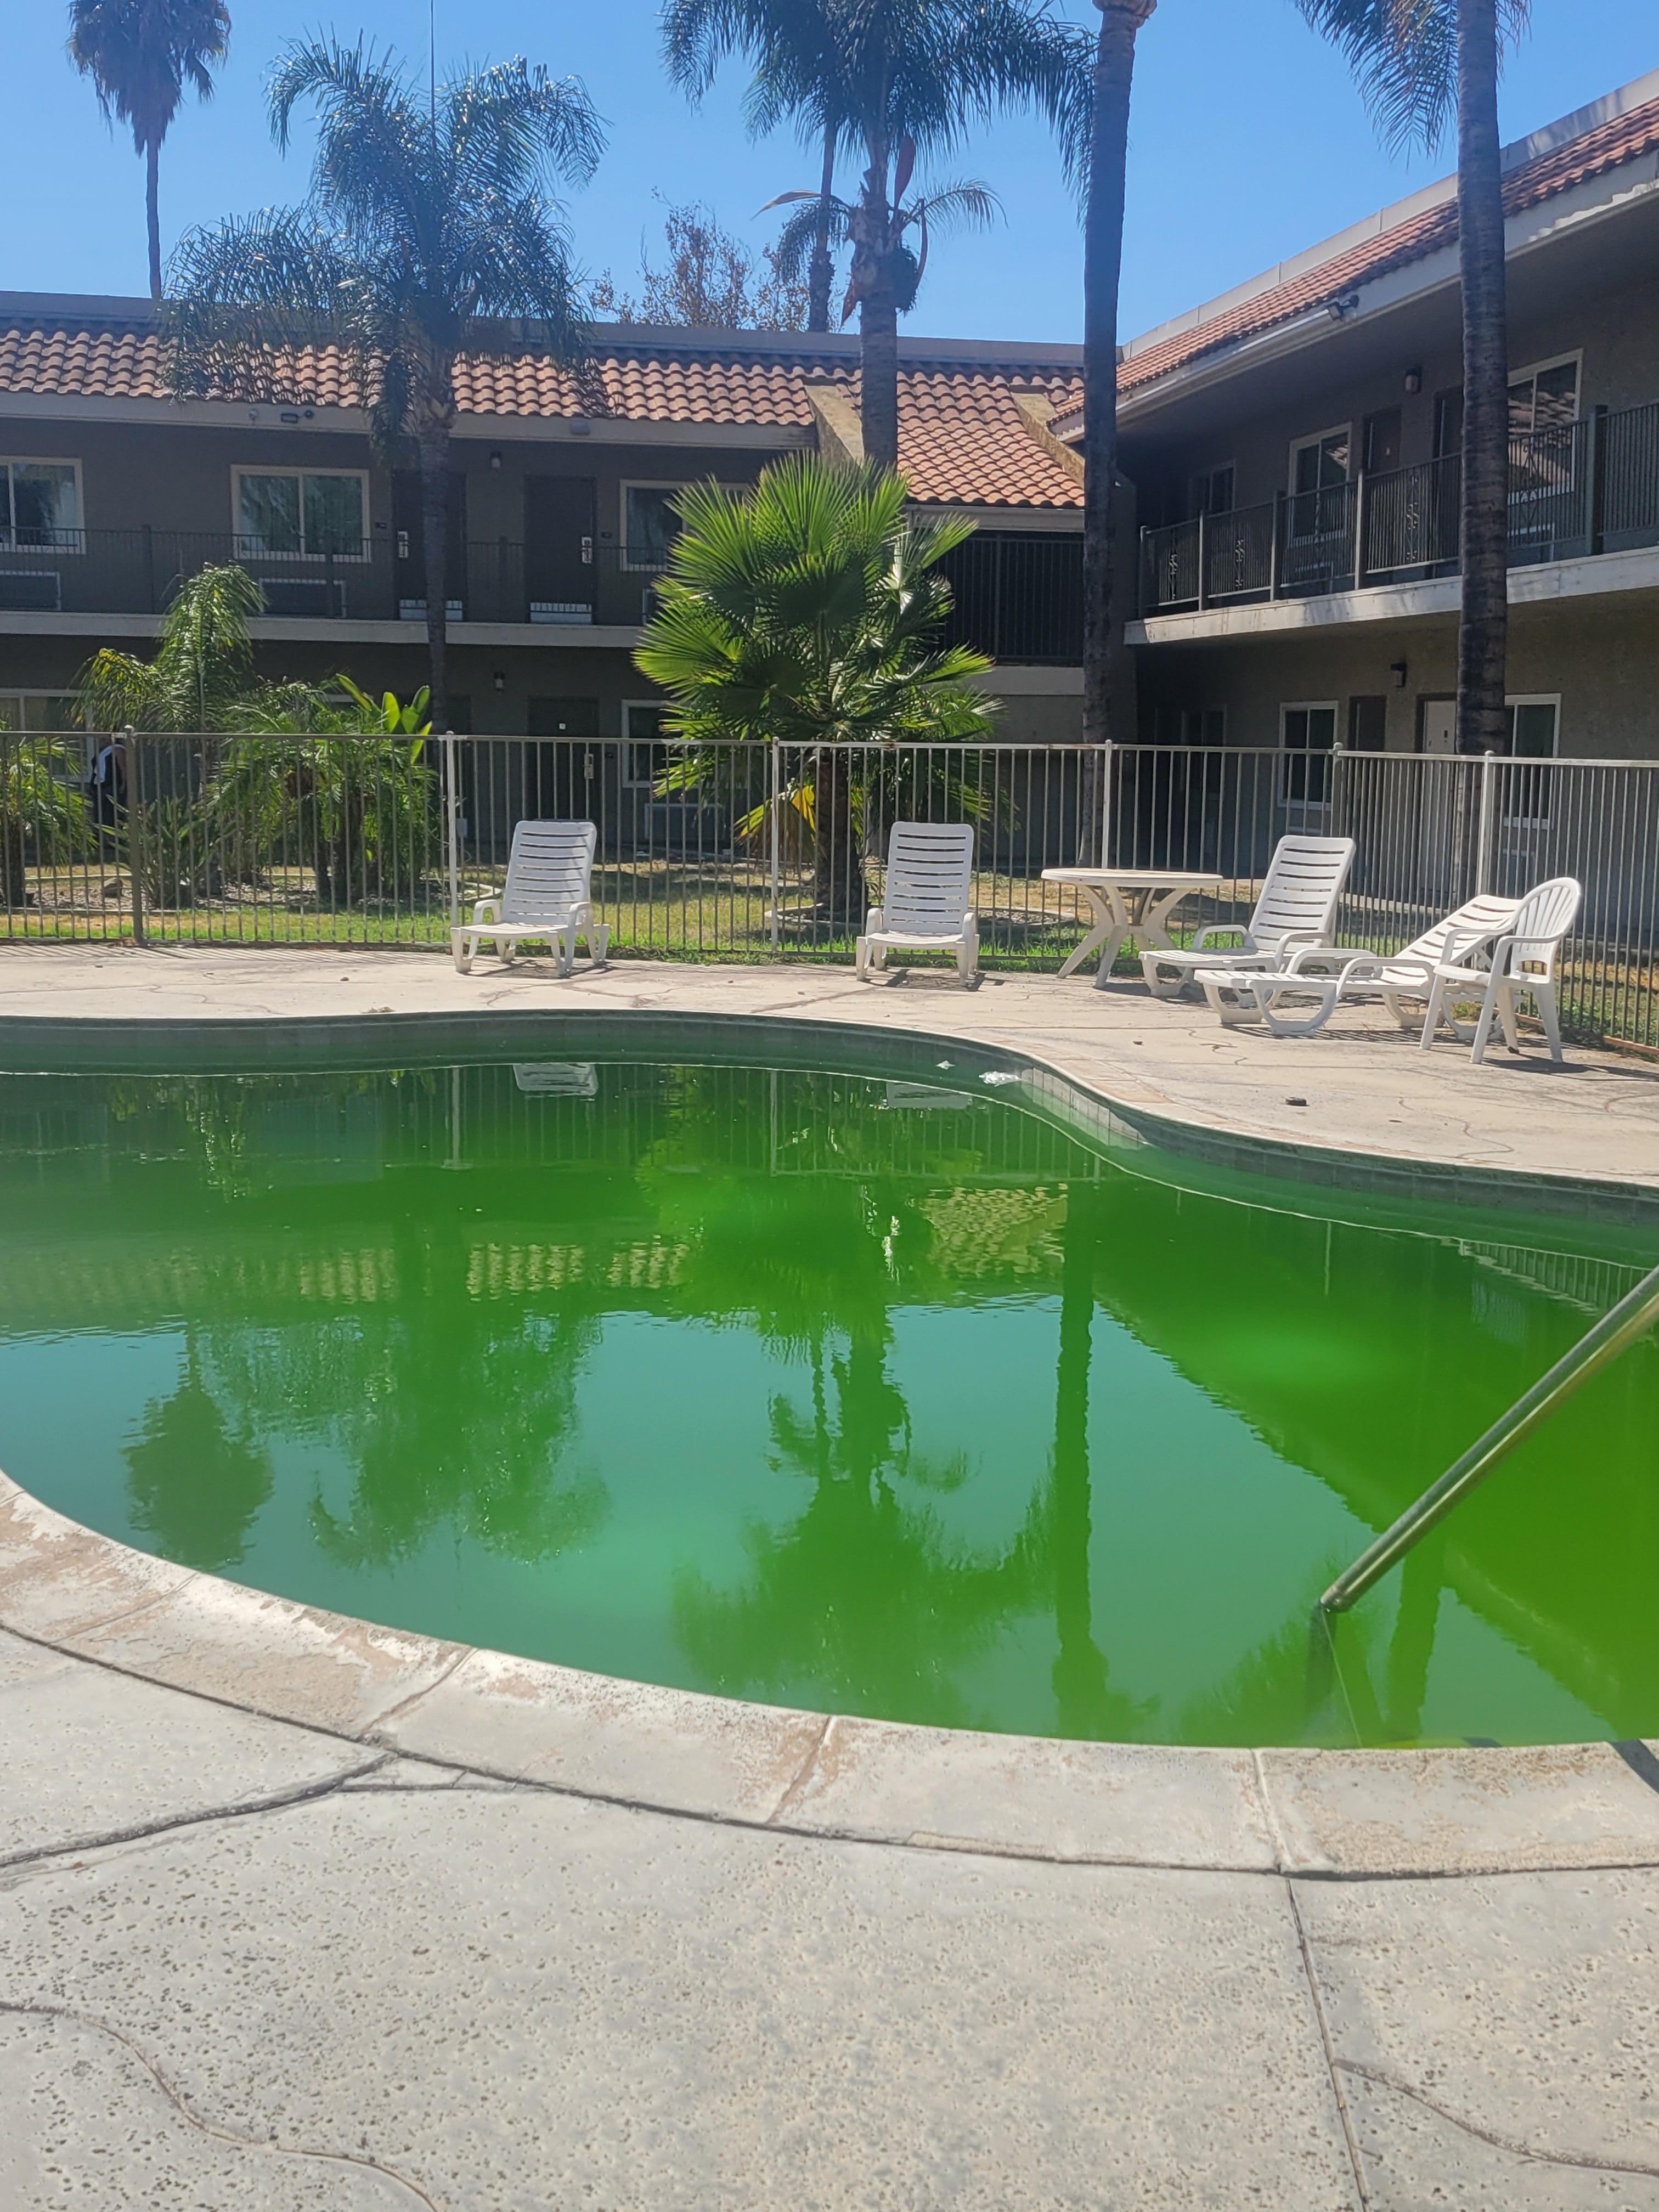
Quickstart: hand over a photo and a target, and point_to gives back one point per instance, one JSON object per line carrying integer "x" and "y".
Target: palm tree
{"x": 202, "y": 671}
{"x": 894, "y": 81}
{"x": 142, "y": 55}
{"x": 43, "y": 810}
{"x": 282, "y": 765}
{"x": 419, "y": 221}
{"x": 1420, "y": 62}
{"x": 1103, "y": 260}
{"x": 809, "y": 612}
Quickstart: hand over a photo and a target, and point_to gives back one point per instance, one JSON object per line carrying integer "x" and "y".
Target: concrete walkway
{"x": 419, "y": 1953}
{"x": 245, "y": 1964}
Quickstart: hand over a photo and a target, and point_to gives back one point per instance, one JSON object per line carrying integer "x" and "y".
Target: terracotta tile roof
{"x": 961, "y": 437}
{"x": 1623, "y": 139}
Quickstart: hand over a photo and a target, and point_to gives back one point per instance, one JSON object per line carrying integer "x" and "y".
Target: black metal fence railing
{"x": 493, "y": 580}
{"x": 1578, "y": 489}
{"x": 756, "y": 851}
{"x": 1018, "y": 595}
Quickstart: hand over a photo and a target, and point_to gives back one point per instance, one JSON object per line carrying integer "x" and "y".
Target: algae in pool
{"x": 856, "y": 1395}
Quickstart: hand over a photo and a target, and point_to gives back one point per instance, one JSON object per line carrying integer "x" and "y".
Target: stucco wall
{"x": 1603, "y": 657}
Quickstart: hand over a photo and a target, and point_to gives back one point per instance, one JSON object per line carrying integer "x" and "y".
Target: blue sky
{"x": 1249, "y": 142}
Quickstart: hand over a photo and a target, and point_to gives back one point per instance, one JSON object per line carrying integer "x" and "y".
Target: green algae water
{"x": 865, "y": 1396}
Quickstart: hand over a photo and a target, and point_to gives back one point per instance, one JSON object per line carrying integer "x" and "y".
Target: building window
{"x": 41, "y": 710}
{"x": 1534, "y": 733}
{"x": 301, "y": 513}
{"x": 1545, "y": 397}
{"x": 1212, "y": 490}
{"x": 1307, "y": 730}
{"x": 41, "y": 504}
{"x": 650, "y": 526}
{"x": 645, "y": 756}
{"x": 1190, "y": 726}
{"x": 1542, "y": 398}
{"x": 1320, "y": 467}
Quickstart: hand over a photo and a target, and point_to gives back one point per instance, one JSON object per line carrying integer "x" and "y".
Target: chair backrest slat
{"x": 1544, "y": 917}
{"x": 930, "y": 869}
{"x": 550, "y": 868}
{"x": 1475, "y": 923}
{"x": 1304, "y": 883}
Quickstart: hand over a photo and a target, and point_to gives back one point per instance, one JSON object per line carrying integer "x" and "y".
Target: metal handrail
{"x": 1617, "y": 1327}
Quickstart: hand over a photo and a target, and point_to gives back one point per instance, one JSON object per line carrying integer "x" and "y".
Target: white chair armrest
{"x": 875, "y": 919}
{"x": 486, "y": 909}
{"x": 1303, "y": 958}
{"x": 1399, "y": 963}
{"x": 1216, "y": 929}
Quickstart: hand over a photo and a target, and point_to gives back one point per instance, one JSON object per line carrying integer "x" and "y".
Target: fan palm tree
{"x": 142, "y": 55}
{"x": 809, "y": 612}
{"x": 1120, "y": 21}
{"x": 1420, "y": 62}
{"x": 417, "y": 223}
{"x": 895, "y": 82}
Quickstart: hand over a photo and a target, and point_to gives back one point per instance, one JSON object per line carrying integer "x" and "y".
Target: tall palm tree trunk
{"x": 153, "y": 212}
{"x": 1103, "y": 262}
{"x": 820, "y": 270}
{"x": 434, "y": 443}
{"x": 873, "y": 283}
{"x": 1483, "y": 632}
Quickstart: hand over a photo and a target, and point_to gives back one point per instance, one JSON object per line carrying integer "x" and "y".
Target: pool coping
{"x": 1336, "y": 1813}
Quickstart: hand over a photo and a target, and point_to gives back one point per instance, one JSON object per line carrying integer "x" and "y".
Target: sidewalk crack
{"x": 1337, "y": 2091}
{"x": 211, "y": 2128}
{"x": 1510, "y": 2143}
{"x": 301, "y": 1793}
{"x": 802, "y": 1776}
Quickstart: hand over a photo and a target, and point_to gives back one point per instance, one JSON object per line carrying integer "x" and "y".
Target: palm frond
{"x": 968, "y": 205}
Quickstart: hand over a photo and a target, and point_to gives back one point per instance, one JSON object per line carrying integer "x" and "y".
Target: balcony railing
{"x": 1583, "y": 488}
{"x": 1019, "y": 596}
{"x": 136, "y": 571}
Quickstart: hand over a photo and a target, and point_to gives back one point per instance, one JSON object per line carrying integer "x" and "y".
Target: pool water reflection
{"x": 832, "y": 1392}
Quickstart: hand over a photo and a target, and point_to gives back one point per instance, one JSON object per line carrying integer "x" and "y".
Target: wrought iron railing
{"x": 373, "y": 579}
{"x": 1018, "y": 595}
{"x": 752, "y": 851}
{"x": 1577, "y": 489}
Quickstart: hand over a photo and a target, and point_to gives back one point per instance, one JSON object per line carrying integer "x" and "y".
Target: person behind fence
{"x": 108, "y": 781}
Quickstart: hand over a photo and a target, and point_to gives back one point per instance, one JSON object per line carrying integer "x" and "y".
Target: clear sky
{"x": 1249, "y": 142}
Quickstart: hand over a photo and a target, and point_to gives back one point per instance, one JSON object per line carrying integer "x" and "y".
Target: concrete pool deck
{"x": 298, "y": 1912}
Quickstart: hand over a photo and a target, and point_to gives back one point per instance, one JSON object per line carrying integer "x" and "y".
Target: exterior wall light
{"x": 1399, "y": 671}
{"x": 1413, "y": 381}
{"x": 498, "y": 681}
{"x": 495, "y": 458}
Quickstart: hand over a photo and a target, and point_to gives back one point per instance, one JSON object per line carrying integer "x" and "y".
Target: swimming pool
{"x": 885, "y": 1396}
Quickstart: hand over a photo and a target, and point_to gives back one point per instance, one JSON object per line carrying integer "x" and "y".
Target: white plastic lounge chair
{"x": 1327, "y": 975}
{"x": 1523, "y": 963}
{"x": 549, "y": 872}
{"x": 1296, "y": 907}
{"x": 930, "y": 867}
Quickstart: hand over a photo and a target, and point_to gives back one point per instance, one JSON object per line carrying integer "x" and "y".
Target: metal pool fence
{"x": 773, "y": 852}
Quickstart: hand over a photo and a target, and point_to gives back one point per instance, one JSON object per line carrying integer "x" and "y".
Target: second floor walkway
{"x": 1578, "y": 492}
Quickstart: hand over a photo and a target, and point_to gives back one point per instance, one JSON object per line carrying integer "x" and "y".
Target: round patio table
{"x": 1129, "y": 903}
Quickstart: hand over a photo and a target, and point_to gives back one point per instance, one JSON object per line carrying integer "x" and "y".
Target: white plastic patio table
{"x": 1128, "y": 902}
